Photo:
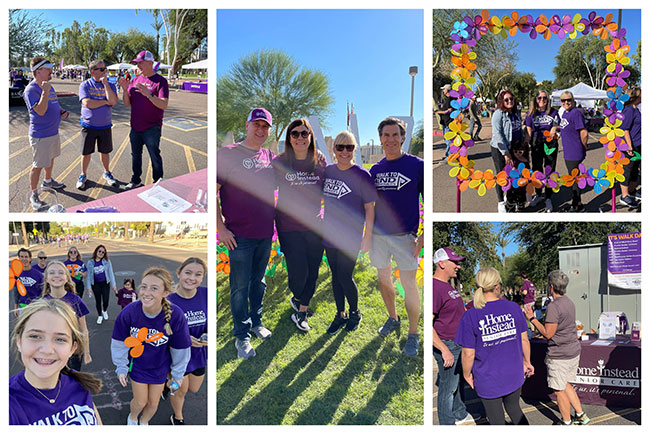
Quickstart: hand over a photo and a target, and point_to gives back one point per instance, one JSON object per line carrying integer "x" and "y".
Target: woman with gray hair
{"x": 574, "y": 142}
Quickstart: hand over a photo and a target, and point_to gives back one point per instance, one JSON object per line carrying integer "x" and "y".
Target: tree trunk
{"x": 126, "y": 231}
{"x": 25, "y": 239}
{"x": 152, "y": 231}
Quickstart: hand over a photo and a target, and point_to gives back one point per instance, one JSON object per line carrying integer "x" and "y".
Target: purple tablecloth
{"x": 196, "y": 87}
{"x": 607, "y": 375}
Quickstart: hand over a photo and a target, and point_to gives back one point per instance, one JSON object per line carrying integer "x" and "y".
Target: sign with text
{"x": 624, "y": 260}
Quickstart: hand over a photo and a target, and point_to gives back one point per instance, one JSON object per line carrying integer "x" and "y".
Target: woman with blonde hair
{"x": 496, "y": 351}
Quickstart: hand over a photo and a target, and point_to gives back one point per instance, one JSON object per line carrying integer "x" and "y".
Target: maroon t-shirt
{"x": 529, "y": 287}
{"x": 448, "y": 307}
{"x": 144, "y": 114}
{"x": 247, "y": 190}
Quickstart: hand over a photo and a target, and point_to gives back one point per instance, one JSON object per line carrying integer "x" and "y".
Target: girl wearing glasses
{"x": 506, "y": 130}
{"x": 541, "y": 118}
{"x": 100, "y": 279}
{"x": 349, "y": 195}
{"x": 299, "y": 175}
{"x": 574, "y": 142}
{"x": 77, "y": 269}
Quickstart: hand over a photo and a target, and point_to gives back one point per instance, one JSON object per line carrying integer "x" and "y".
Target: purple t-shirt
{"x": 345, "y": 194}
{"x": 126, "y": 296}
{"x": 564, "y": 344}
{"x": 494, "y": 332}
{"x": 299, "y": 195}
{"x": 100, "y": 117}
{"x": 100, "y": 272}
{"x": 632, "y": 123}
{"x": 75, "y": 302}
{"x": 540, "y": 121}
{"x": 399, "y": 184}
{"x": 42, "y": 270}
{"x": 154, "y": 364}
{"x": 515, "y": 120}
{"x": 144, "y": 114}
{"x": 530, "y": 294}
{"x": 448, "y": 307}
{"x": 32, "y": 280}
{"x": 74, "y": 405}
{"x": 75, "y": 268}
{"x": 247, "y": 193}
{"x": 572, "y": 122}
{"x": 48, "y": 124}
{"x": 196, "y": 314}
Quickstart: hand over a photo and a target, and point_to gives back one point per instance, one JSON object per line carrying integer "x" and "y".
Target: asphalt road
{"x": 129, "y": 259}
{"x": 444, "y": 186}
{"x": 184, "y": 147}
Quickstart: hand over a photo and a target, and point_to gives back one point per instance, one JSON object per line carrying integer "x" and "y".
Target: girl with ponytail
{"x": 47, "y": 392}
{"x": 170, "y": 353}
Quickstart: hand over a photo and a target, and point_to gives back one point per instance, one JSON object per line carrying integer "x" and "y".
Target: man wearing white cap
{"x": 147, "y": 95}
{"x": 45, "y": 114}
{"x": 246, "y": 186}
{"x": 448, "y": 308}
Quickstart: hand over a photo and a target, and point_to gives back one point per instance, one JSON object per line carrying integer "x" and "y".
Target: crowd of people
{"x": 485, "y": 344}
{"x": 384, "y": 201}
{"x": 167, "y": 321}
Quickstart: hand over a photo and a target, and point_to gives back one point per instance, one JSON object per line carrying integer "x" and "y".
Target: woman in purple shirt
{"x": 574, "y": 142}
{"x": 631, "y": 126}
{"x": 299, "y": 175}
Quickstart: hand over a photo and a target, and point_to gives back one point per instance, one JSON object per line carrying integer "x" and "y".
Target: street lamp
{"x": 413, "y": 71}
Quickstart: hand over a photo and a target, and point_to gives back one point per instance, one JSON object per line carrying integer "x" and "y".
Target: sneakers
{"x": 165, "y": 393}
{"x": 337, "y": 324}
{"x": 628, "y": 201}
{"x": 579, "y": 207}
{"x": 52, "y": 184}
{"x": 36, "y": 202}
{"x": 582, "y": 420}
{"x": 295, "y": 305}
{"x": 412, "y": 345}
{"x": 175, "y": 421}
{"x": 132, "y": 185}
{"x": 261, "y": 332}
{"x": 549, "y": 205}
{"x": 100, "y": 319}
{"x": 636, "y": 195}
{"x": 130, "y": 421}
{"x": 467, "y": 420}
{"x": 391, "y": 325}
{"x": 108, "y": 176}
{"x": 244, "y": 349}
{"x": 81, "y": 182}
{"x": 105, "y": 314}
{"x": 300, "y": 319}
{"x": 353, "y": 320}
{"x": 536, "y": 200}
{"x": 501, "y": 207}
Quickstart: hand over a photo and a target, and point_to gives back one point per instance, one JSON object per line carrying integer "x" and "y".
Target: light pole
{"x": 413, "y": 71}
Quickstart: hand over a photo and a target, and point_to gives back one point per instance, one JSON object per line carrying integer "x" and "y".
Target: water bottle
{"x": 173, "y": 387}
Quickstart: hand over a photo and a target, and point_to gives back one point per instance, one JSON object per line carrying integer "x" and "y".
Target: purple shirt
{"x": 75, "y": 302}
{"x": 345, "y": 193}
{"x": 99, "y": 270}
{"x": 299, "y": 195}
{"x": 399, "y": 184}
{"x": 572, "y": 122}
{"x": 100, "y": 117}
{"x": 74, "y": 405}
{"x": 48, "y": 124}
{"x": 153, "y": 365}
{"x": 42, "y": 270}
{"x": 247, "y": 193}
{"x": 144, "y": 114}
{"x": 448, "y": 307}
{"x": 32, "y": 280}
{"x": 529, "y": 287}
{"x": 632, "y": 123}
{"x": 494, "y": 332}
{"x": 540, "y": 121}
{"x": 515, "y": 120}
{"x": 196, "y": 314}
{"x": 75, "y": 268}
{"x": 126, "y": 296}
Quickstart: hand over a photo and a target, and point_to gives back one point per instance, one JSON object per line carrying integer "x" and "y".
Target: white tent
{"x": 201, "y": 64}
{"x": 583, "y": 94}
{"x": 118, "y": 66}
{"x": 163, "y": 66}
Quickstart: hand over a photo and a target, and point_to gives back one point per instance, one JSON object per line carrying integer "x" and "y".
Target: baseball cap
{"x": 446, "y": 254}
{"x": 261, "y": 114}
{"x": 143, "y": 55}
{"x": 446, "y": 87}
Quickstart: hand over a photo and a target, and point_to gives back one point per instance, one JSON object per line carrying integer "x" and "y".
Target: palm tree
{"x": 502, "y": 242}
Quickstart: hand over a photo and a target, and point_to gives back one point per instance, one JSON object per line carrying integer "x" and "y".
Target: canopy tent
{"x": 162, "y": 66}
{"x": 201, "y": 64}
{"x": 119, "y": 66}
{"x": 584, "y": 95}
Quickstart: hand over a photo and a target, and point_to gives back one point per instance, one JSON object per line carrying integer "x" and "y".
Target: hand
{"x": 197, "y": 343}
{"x": 528, "y": 311}
{"x": 529, "y": 370}
{"x": 144, "y": 90}
{"x": 46, "y": 87}
{"x": 87, "y": 359}
{"x": 469, "y": 378}
{"x": 508, "y": 160}
{"x": 122, "y": 378}
{"x": 447, "y": 358}
{"x": 227, "y": 238}
{"x": 64, "y": 114}
{"x": 419, "y": 243}
{"x": 114, "y": 290}
{"x": 124, "y": 83}
{"x": 104, "y": 80}
{"x": 366, "y": 243}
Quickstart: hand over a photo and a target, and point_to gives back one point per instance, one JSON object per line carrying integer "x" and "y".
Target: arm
{"x": 628, "y": 140}
{"x": 525, "y": 346}
{"x": 41, "y": 107}
{"x": 111, "y": 96}
{"x": 584, "y": 136}
{"x": 120, "y": 357}
{"x": 225, "y": 236}
{"x": 111, "y": 276}
{"x": 86, "y": 340}
{"x": 467, "y": 360}
{"x": 547, "y": 330}
{"x": 158, "y": 102}
{"x": 180, "y": 359}
{"x": 499, "y": 137}
{"x": 89, "y": 274}
{"x": 94, "y": 103}
{"x": 366, "y": 242}
{"x": 99, "y": 419}
{"x": 447, "y": 357}
{"x": 419, "y": 244}
{"x": 124, "y": 84}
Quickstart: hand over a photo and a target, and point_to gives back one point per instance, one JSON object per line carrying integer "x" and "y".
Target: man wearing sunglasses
{"x": 97, "y": 97}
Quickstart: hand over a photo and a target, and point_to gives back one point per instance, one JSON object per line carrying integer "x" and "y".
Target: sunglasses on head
{"x": 295, "y": 134}
{"x": 341, "y": 148}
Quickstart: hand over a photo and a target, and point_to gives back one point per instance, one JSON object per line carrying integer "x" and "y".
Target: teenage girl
{"x": 100, "y": 279}
{"x": 77, "y": 269}
{"x": 47, "y": 392}
{"x": 127, "y": 295}
{"x": 171, "y": 352}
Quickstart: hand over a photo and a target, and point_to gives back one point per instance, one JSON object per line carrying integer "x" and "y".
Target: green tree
{"x": 270, "y": 79}
{"x": 27, "y": 36}
{"x": 522, "y": 85}
{"x": 417, "y": 139}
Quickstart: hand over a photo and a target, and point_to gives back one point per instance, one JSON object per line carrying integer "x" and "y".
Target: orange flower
{"x": 137, "y": 343}
{"x": 14, "y": 271}
{"x": 224, "y": 263}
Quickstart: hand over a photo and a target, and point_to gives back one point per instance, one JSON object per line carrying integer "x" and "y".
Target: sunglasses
{"x": 100, "y": 251}
{"x": 508, "y": 99}
{"x": 42, "y": 257}
{"x": 341, "y": 148}
{"x": 540, "y": 98}
{"x": 99, "y": 69}
{"x": 566, "y": 100}
{"x": 295, "y": 134}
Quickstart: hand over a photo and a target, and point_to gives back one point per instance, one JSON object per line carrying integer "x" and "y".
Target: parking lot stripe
{"x": 25, "y": 171}
{"x": 190, "y": 160}
{"x": 111, "y": 165}
{"x": 149, "y": 178}
{"x": 185, "y": 146}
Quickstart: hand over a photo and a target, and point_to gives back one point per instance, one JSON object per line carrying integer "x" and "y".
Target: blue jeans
{"x": 445, "y": 130}
{"x": 247, "y": 286}
{"x": 472, "y": 123}
{"x": 151, "y": 139}
{"x": 450, "y": 405}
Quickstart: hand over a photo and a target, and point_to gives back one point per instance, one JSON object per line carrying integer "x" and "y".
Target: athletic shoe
{"x": 175, "y": 421}
{"x": 536, "y": 200}
{"x": 105, "y": 314}
{"x": 628, "y": 201}
{"x": 501, "y": 207}
{"x": 511, "y": 207}
{"x": 582, "y": 420}
{"x": 81, "y": 182}
{"x": 412, "y": 345}
{"x": 108, "y": 176}
{"x": 300, "y": 319}
{"x": 353, "y": 320}
{"x": 391, "y": 325}
{"x": 577, "y": 208}
{"x": 261, "y": 332}
{"x": 295, "y": 305}
{"x": 561, "y": 422}
{"x": 100, "y": 319}
{"x": 130, "y": 421}
{"x": 244, "y": 349}
{"x": 636, "y": 195}
{"x": 549, "y": 205}
{"x": 467, "y": 420}
{"x": 36, "y": 202}
{"x": 132, "y": 185}
{"x": 337, "y": 324}
{"x": 52, "y": 184}
{"x": 165, "y": 393}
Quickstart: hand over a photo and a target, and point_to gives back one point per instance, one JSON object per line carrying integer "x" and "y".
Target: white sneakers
{"x": 501, "y": 207}
{"x": 105, "y": 314}
{"x": 100, "y": 319}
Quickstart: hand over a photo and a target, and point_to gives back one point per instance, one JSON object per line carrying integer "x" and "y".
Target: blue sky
{"x": 538, "y": 56}
{"x": 115, "y": 20}
{"x": 365, "y": 53}
{"x": 512, "y": 248}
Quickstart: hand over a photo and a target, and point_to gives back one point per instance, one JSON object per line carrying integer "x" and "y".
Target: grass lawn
{"x": 314, "y": 378}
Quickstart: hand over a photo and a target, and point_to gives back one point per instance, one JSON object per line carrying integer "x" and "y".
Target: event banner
{"x": 624, "y": 260}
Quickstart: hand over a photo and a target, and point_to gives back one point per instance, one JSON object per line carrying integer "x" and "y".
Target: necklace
{"x": 52, "y": 400}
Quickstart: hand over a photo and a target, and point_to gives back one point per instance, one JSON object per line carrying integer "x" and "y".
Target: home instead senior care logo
{"x": 601, "y": 375}
{"x": 496, "y": 329}
{"x": 301, "y": 178}
{"x": 257, "y": 162}
{"x": 390, "y": 181}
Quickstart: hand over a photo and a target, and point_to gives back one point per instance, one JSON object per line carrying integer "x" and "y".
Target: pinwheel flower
{"x": 616, "y": 162}
{"x": 526, "y": 24}
{"x": 618, "y": 56}
{"x": 136, "y": 343}
{"x": 461, "y": 172}
{"x": 500, "y": 28}
{"x": 576, "y": 176}
{"x": 462, "y": 77}
{"x": 612, "y": 130}
{"x": 458, "y": 105}
{"x": 460, "y": 29}
{"x": 578, "y": 26}
{"x": 15, "y": 268}
{"x": 462, "y": 91}
{"x": 548, "y": 178}
{"x": 611, "y": 113}
{"x": 528, "y": 180}
{"x": 503, "y": 178}
{"x": 482, "y": 181}
{"x": 593, "y": 21}
{"x": 224, "y": 263}
{"x": 475, "y": 27}
{"x": 618, "y": 97}
{"x": 461, "y": 150}
{"x": 515, "y": 174}
{"x": 606, "y": 26}
{"x": 464, "y": 62}
{"x": 542, "y": 26}
{"x": 619, "y": 35}
{"x": 618, "y": 144}
{"x": 457, "y": 133}
{"x": 600, "y": 179}
{"x": 617, "y": 75}
{"x": 561, "y": 26}
{"x": 548, "y": 136}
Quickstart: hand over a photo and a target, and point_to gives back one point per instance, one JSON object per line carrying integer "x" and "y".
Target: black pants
{"x": 632, "y": 170}
{"x": 494, "y": 409}
{"x": 342, "y": 264}
{"x": 303, "y": 252}
{"x": 570, "y": 165}
{"x": 74, "y": 362}
{"x": 499, "y": 163}
{"x": 79, "y": 287}
{"x": 101, "y": 293}
{"x": 540, "y": 160}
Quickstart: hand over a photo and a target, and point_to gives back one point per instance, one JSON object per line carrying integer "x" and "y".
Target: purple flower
{"x": 593, "y": 21}
{"x": 474, "y": 27}
{"x": 562, "y": 26}
{"x": 618, "y": 76}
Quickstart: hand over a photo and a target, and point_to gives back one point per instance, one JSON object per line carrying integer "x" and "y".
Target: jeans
{"x": 303, "y": 252}
{"x": 445, "y": 130}
{"x": 151, "y": 139}
{"x": 473, "y": 122}
{"x": 247, "y": 286}
{"x": 450, "y": 405}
